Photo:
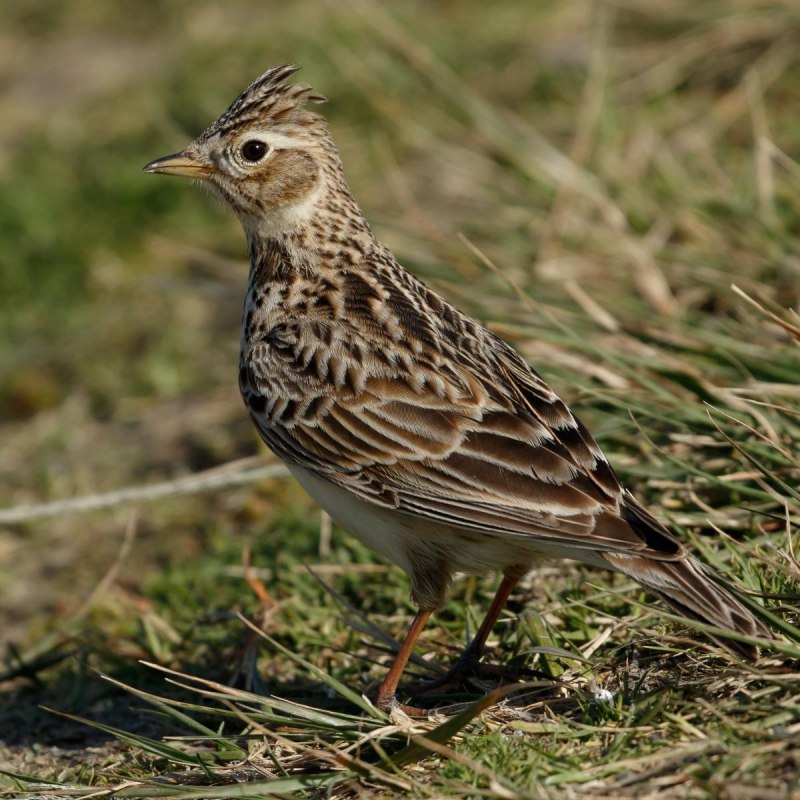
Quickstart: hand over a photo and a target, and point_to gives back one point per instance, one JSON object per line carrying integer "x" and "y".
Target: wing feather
{"x": 466, "y": 434}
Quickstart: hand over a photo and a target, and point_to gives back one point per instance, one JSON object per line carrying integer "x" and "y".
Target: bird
{"x": 419, "y": 431}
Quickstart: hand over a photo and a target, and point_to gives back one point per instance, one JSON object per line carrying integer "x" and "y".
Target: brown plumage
{"x": 421, "y": 432}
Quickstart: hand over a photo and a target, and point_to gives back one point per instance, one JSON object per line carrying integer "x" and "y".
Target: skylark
{"x": 420, "y": 432}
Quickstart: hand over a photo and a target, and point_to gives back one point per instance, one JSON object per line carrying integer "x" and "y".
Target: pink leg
{"x": 388, "y": 689}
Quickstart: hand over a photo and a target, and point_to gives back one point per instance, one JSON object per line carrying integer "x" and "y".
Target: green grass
{"x": 589, "y": 179}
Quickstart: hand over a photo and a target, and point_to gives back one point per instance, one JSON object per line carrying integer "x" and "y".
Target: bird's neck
{"x": 326, "y": 230}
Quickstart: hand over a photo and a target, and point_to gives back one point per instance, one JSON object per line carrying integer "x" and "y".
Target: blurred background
{"x": 588, "y": 177}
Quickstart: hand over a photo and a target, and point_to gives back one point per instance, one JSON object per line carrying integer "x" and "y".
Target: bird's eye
{"x": 254, "y": 150}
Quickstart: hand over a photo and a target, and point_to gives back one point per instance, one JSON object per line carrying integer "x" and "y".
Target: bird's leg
{"x": 475, "y": 648}
{"x": 387, "y": 690}
{"x": 468, "y": 663}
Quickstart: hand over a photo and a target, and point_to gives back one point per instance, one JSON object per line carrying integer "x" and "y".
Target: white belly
{"x": 410, "y": 541}
{"x": 383, "y": 530}
{"x": 403, "y": 538}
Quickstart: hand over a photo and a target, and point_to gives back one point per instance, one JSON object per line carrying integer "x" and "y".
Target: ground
{"x": 612, "y": 187}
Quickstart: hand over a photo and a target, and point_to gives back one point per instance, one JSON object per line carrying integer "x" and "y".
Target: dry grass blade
{"x": 793, "y": 329}
{"x": 337, "y": 686}
{"x": 212, "y": 480}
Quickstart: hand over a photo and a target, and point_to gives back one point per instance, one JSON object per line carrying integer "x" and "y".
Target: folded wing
{"x": 479, "y": 442}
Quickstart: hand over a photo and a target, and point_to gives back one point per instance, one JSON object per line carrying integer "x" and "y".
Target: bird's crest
{"x": 268, "y": 97}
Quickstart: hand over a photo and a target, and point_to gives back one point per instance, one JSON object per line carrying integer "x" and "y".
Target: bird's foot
{"x": 469, "y": 670}
{"x": 395, "y": 709}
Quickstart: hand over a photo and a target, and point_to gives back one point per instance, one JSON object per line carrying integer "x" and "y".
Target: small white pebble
{"x": 603, "y": 696}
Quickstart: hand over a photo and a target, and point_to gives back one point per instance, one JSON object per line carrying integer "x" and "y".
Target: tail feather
{"x": 690, "y": 589}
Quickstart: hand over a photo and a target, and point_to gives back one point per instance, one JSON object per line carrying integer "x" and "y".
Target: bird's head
{"x": 267, "y": 156}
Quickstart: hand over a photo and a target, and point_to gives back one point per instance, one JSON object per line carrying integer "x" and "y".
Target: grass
{"x": 591, "y": 180}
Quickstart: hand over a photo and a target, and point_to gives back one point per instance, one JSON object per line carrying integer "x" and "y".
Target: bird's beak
{"x": 183, "y": 164}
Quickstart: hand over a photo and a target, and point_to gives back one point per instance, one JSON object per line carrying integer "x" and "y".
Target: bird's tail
{"x": 693, "y": 592}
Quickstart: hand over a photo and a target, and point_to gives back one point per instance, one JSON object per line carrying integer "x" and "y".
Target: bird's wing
{"x": 466, "y": 434}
